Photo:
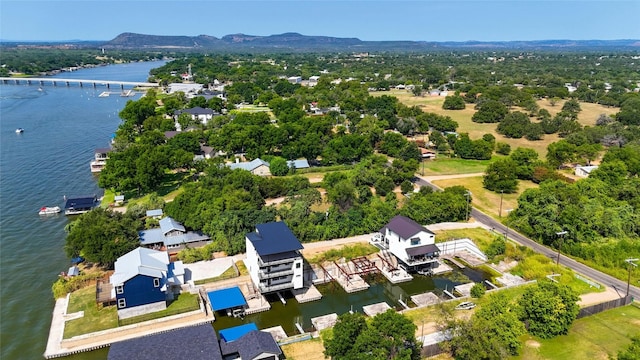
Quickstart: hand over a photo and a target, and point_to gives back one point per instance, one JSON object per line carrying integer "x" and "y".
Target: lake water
{"x": 62, "y": 127}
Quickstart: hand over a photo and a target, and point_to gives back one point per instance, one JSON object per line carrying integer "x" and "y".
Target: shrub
{"x": 477, "y": 290}
{"x": 497, "y": 247}
{"x": 503, "y": 148}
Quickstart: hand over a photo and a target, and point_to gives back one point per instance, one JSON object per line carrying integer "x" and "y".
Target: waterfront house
{"x": 256, "y": 167}
{"x": 100, "y": 157}
{"x": 202, "y": 115}
{"x": 273, "y": 258}
{"x": 172, "y": 237}
{"x": 411, "y": 243}
{"x": 144, "y": 280}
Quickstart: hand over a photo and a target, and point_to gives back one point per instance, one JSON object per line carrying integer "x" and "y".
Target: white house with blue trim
{"x": 273, "y": 258}
{"x": 144, "y": 280}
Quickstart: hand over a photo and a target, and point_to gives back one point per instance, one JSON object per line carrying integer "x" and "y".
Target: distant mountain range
{"x": 294, "y": 42}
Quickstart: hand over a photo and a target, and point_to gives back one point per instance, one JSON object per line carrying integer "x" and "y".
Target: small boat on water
{"x": 19, "y": 130}
{"x": 47, "y": 210}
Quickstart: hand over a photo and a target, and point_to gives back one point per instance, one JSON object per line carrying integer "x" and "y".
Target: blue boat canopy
{"x": 237, "y": 332}
{"x": 226, "y": 298}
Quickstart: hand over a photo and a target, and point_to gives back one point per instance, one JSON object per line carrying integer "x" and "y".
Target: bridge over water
{"x": 78, "y": 82}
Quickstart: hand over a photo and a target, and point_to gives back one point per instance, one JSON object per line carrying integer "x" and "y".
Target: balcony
{"x": 271, "y": 274}
{"x": 276, "y": 262}
{"x": 270, "y": 288}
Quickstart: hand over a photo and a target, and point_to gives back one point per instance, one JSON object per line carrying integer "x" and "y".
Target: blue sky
{"x": 427, "y": 20}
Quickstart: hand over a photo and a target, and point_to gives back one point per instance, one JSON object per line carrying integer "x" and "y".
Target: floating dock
{"x": 307, "y": 294}
{"x": 323, "y": 322}
{"x": 375, "y": 309}
{"x": 425, "y": 299}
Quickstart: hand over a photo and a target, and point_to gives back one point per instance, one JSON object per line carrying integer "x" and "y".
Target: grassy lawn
{"x": 599, "y": 336}
{"x": 304, "y": 350}
{"x": 480, "y": 236}
{"x": 227, "y": 274}
{"x": 184, "y": 303}
{"x": 94, "y": 319}
{"x": 588, "y": 115}
{"x": 348, "y": 252}
{"x": 447, "y": 166}
{"x": 485, "y": 200}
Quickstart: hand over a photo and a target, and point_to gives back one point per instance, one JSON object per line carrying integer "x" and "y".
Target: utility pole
{"x": 560, "y": 235}
{"x": 630, "y": 262}
{"x": 501, "y": 195}
{"x": 468, "y": 195}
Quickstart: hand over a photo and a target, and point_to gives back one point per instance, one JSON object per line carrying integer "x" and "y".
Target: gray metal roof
{"x": 141, "y": 261}
{"x": 189, "y": 343}
{"x": 251, "y": 344}
{"x": 404, "y": 227}
{"x": 154, "y": 212}
{"x": 422, "y": 250}
{"x": 298, "y": 164}
{"x": 249, "y": 166}
{"x": 273, "y": 238}
{"x": 196, "y": 111}
{"x": 168, "y": 224}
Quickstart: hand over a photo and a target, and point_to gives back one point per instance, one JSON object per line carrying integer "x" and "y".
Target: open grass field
{"x": 448, "y": 166}
{"x": 433, "y": 104}
{"x": 599, "y": 336}
{"x": 485, "y": 200}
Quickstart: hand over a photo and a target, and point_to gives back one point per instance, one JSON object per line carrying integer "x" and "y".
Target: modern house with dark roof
{"x": 411, "y": 243}
{"x": 273, "y": 258}
{"x": 198, "y": 343}
{"x": 144, "y": 280}
{"x": 172, "y": 237}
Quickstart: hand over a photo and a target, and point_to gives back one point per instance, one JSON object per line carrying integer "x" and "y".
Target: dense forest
{"x": 366, "y": 147}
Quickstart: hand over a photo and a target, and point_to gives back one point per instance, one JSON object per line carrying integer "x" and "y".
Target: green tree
{"x": 560, "y": 152}
{"x": 102, "y": 236}
{"x": 345, "y": 332}
{"x": 453, "y": 102}
{"x": 278, "y": 166}
{"x": 490, "y": 111}
{"x": 501, "y": 176}
{"x": 632, "y": 352}
{"x": 548, "y": 309}
{"x": 492, "y": 333}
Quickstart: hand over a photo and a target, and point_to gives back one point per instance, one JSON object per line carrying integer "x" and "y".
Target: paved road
{"x": 602, "y": 278}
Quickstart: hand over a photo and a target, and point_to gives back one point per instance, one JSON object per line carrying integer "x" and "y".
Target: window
{"x": 122, "y": 303}
{"x": 119, "y": 289}
{"x": 298, "y": 265}
{"x": 156, "y": 282}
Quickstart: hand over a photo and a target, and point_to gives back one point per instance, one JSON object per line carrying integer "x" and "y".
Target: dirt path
{"x": 314, "y": 248}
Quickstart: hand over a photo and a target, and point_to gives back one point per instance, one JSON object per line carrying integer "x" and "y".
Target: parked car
{"x": 467, "y": 305}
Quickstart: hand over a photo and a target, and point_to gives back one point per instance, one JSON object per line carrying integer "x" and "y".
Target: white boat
{"x": 19, "y": 130}
{"x": 46, "y": 210}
